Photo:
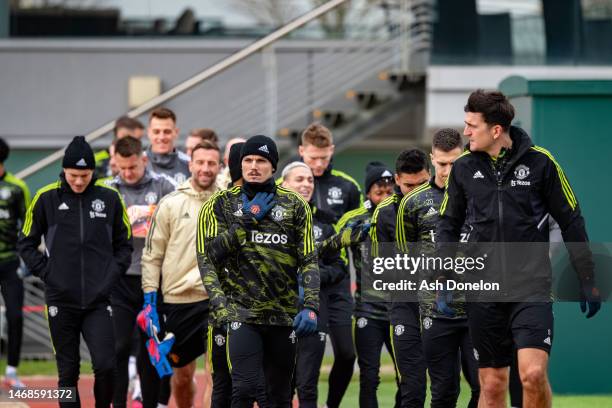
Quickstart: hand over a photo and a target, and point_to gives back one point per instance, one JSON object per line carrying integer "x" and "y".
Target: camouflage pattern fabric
{"x": 251, "y": 269}
{"x": 417, "y": 216}
{"x": 14, "y": 201}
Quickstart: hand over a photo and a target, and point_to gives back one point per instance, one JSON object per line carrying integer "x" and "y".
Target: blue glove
{"x": 259, "y": 206}
{"x": 147, "y": 319}
{"x": 305, "y": 323}
{"x": 589, "y": 295}
{"x": 158, "y": 354}
{"x": 443, "y": 299}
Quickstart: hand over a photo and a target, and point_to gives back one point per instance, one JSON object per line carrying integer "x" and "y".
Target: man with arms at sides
{"x": 503, "y": 177}
{"x": 163, "y": 156}
{"x": 255, "y": 243}
{"x": 167, "y": 258}
{"x": 14, "y": 201}
{"x": 335, "y": 192}
{"x": 446, "y": 340}
{"x": 298, "y": 177}
{"x": 88, "y": 247}
{"x": 141, "y": 191}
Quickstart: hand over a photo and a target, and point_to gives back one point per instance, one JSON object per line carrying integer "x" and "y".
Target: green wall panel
{"x": 573, "y": 120}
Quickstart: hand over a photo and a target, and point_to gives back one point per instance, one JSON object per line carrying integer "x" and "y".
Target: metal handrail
{"x": 293, "y": 101}
{"x": 195, "y": 80}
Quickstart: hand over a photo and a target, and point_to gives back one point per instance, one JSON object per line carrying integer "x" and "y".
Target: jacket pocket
{"x": 111, "y": 276}
{"x": 44, "y": 273}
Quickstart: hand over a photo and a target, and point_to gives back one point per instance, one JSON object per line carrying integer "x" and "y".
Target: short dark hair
{"x": 411, "y": 161}
{"x": 163, "y": 113}
{"x": 205, "y": 134}
{"x": 206, "y": 145}
{"x": 4, "y": 150}
{"x": 126, "y": 122}
{"x": 494, "y": 107}
{"x": 446, "y": 139}
{"x": 128, "y": 146}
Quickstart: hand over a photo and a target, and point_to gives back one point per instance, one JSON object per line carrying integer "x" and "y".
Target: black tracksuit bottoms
{"x": 253, "y": 347}
{"x": 409, "y": 360}
{"x": 369, "y": 336}
{"x": 11, "y": 286}
{"x": 448, "y": 349}
{"x": 66, "y": 324}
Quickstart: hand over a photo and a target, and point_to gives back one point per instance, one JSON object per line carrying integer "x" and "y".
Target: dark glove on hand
{"x": 589, "y": 295}
{"x": 305, "y": 323}
{"x": 443, "y": 299}
{"x": 354, "y": 233}
{"x": 259, "y": 206}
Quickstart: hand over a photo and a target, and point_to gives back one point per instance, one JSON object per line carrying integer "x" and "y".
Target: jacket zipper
{"x": 318, "y": 189}
{"x": 500, "y": 224}
{"x": 82, "y": 259}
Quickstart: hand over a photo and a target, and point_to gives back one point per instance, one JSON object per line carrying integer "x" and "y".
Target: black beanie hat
{"x": 78, "y": 155}
{"x": 4, "y": 150}
{"x": 262, "y": 146}
{"x": 233, "y": 162}
{"x": 376, "y": 171}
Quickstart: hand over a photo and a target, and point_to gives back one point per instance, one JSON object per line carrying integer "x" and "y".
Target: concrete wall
{"x": 54, "y": 89}
{"x": 449, "y": 86}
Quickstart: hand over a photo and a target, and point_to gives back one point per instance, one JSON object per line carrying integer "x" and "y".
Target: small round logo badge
{"x": 255, "y": 209}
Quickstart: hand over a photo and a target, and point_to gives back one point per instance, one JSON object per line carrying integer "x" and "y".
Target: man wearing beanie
{"x": 88, "y": 246}
{"x": 234, "y": 165}
{"x": 254, "y": 242}
{"x": 224, "y": 180}
{"x": 14, "y": 200}
{"x": 217, "y": 330}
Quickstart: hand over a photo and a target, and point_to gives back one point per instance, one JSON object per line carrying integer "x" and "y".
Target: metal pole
{"x": 269, "y": 63}
{"x": 195, "y": 80}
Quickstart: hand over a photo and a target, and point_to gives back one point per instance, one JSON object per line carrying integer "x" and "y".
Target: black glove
{"x": 589, "y": 295}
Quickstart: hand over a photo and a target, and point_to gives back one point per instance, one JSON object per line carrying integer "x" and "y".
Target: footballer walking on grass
{"x": 88, "y": 247}
{"x": 506, "y": 187}
{"x": 262, "y": 235}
